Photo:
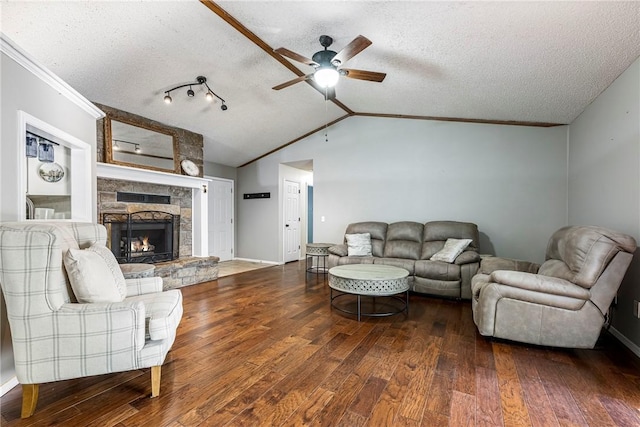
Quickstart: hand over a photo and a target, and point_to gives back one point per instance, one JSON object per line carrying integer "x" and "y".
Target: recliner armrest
{"x": 490, "y": 264}
{"x": 340, "y": 250}
{"x": 467, "y": 257}
{"x": 539, "y": 283}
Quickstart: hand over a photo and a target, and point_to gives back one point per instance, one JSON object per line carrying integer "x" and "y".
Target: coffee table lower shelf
{"x": 404, "y": 308}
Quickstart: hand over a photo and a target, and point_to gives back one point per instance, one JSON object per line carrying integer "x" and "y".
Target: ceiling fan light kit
{"x": 326, "y": 63}
{"x": 200, "y": 80}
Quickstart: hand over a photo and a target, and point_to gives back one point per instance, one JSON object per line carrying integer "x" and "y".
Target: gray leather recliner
{"x": 561, "y": 303}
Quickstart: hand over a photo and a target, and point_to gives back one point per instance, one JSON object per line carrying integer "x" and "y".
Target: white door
{"x": 291, "y": 221}
{"x": 221, "y": 218}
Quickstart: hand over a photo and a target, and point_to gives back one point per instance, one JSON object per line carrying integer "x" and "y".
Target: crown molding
{"x": 13, "y": 51}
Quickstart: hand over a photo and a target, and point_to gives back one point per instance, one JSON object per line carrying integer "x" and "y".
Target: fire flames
{"x": 141, "y": 244}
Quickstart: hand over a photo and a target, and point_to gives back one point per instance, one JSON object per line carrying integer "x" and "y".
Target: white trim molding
{"x": 10, "y": 384}
{"x": 13, "y": 51}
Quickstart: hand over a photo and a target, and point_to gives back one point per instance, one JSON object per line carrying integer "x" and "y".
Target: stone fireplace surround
{"x": 188, "y": 195}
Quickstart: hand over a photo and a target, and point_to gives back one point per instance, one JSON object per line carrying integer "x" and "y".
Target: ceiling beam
{"x": 461, "y": 120}
{"x": 325, "y": 126}
{"x": 226, "y": 17}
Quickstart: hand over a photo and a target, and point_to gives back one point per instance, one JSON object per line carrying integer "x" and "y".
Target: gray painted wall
{"x": 604, "y": 178}
{"x": 510, "y": 180}
{"x": 21, "y": 90}
{"x": 220, "y": 171}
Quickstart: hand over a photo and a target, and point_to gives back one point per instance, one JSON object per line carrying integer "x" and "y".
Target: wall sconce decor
{"x": 40, "y": 147}
{"x": 200, "y": 80}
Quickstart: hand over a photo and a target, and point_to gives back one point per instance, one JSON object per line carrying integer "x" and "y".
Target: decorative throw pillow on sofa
{"x": 452, "y": 248}
{"x": 358, "y": 244}
{"x": 95, "y": 275}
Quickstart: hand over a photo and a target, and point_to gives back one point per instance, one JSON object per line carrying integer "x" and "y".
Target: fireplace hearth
{"x": 143, "y": 237}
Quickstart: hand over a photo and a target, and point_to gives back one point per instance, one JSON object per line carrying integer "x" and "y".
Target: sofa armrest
{"x": 143, "y": 285}
{"x": 491, "y": 264}
{"x": 467, "y": 257}
{"x": 539, "y": 283}
{"x": 340, "y": 250}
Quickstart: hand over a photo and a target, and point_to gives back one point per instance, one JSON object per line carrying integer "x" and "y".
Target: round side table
{"x": 317, "y": 252}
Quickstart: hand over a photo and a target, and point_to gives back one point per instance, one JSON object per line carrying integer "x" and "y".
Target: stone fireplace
{"x": 175, "y": 199}
{"x": 143, "y": 236}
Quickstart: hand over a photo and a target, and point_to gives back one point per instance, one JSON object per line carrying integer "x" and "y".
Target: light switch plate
{"x": 636, "y": 308}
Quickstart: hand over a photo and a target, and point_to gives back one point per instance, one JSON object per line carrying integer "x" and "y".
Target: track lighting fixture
{"x": 137, "y": 149}
{"x": 200, "y": 80}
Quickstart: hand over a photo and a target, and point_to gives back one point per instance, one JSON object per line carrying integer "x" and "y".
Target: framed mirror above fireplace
{"x": 141, "y": 145}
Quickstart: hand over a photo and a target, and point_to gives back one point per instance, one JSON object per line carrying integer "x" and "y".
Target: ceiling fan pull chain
{"x": 326, "y": 115}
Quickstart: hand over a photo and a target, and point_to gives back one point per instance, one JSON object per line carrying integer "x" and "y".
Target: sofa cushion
{"x": 378, "y": 231}
{"x": 437, "y": 270}
{"x": 436, "y": 234}
{"x": 407, "y": 264}
{"x": 355, "y": 260}
{"x": 358, "y": 244}
{"x": 404, "y": 240}
{"x": 452, "y": 248}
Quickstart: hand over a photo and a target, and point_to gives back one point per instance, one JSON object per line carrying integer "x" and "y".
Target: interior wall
{"x": 510, "y": 180}
{"x": 22, "y": 90}
{"x": 604, "y": 178}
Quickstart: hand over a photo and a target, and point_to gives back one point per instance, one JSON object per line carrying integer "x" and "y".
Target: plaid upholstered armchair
{"x": 55, "y": 337}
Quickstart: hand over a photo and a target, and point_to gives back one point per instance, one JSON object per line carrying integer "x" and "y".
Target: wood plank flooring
{"x": 264, "y": 348}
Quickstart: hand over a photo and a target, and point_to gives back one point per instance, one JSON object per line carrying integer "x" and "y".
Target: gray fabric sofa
{"x": 561, "y": 303}
{"x": 409, "y": 245}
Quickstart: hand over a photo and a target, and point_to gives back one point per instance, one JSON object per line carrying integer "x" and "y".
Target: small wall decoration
{"x": 51, "y": 172}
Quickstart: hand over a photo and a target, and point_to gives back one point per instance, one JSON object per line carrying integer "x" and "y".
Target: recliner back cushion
{"x": 436, "y": 234}
{"x": 378, "y": 231}
{"x": 580, "y": 254}
{"x": 404, "y": 240}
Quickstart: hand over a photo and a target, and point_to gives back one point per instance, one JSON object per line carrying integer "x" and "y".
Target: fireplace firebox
{"x": 143, "y": 237}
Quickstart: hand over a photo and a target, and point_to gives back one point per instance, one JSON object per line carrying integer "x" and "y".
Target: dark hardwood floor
{"x": 264, "y": 348}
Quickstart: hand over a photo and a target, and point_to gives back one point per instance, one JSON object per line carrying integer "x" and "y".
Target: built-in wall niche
{"x": 60, "y": 189}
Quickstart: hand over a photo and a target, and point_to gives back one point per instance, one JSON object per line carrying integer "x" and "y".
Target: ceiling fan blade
{"x": 358, "y": 44}
{"x": 292, "y": 82}
{"x": 371, "y": 76}
{"x": 295, "y": 56}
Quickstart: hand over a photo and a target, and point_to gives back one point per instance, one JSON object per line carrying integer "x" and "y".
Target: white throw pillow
{"x": 358, "y": 244}
{"x": 452, "y": 248}
{"x": 94, "y": 275}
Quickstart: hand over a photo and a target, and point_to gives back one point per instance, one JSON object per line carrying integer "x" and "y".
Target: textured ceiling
{"x": 498, "y": 61}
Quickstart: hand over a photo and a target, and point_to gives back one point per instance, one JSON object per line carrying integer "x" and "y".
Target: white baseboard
{"x": 257, "y": 260}
{"x": 626, "y": 341}
{"x": 9, "y": 385}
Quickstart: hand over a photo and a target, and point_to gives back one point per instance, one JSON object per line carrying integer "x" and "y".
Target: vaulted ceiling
{"x": 536, "y": 63}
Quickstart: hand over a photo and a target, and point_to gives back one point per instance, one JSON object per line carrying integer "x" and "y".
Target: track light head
{"x": 167, "y": 99}
{"x": 137, "y": 149}
{"x": 209, "y": 96}
{"x": 190, "y": 92}
{"x": 223, "y": 107}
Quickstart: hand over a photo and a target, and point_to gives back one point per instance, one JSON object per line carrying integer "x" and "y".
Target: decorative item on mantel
{"x": 200, "y": 80}
{"x": 40, "y": 147}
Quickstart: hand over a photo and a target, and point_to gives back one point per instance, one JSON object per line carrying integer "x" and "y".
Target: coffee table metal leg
{"x": 358, "y": 308}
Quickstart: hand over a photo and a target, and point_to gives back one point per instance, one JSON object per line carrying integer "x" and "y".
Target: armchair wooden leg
{"x": 155, "y": 380}
{"x": 29, "y": 399}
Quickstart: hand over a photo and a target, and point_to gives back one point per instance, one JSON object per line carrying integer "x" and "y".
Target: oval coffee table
{"x": 370, "y": 280}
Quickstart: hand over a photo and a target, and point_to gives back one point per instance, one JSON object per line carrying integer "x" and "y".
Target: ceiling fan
{"x": 327, "y": 65}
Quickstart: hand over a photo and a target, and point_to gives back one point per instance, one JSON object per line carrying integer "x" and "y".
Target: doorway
{"x": 221, "y": 221}
{"x": 291, "y": 221}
